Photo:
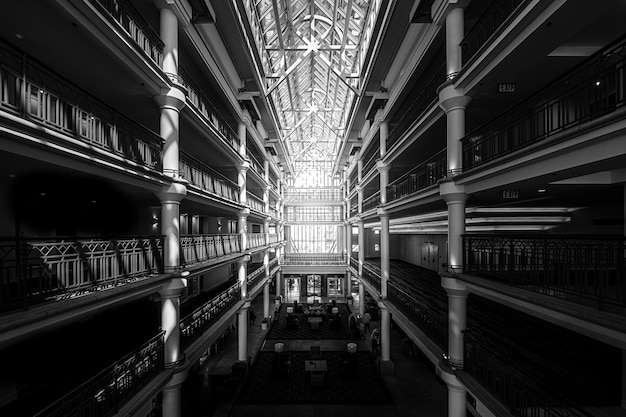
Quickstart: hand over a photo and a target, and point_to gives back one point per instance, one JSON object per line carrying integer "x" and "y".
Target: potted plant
{"x": 264, "y": 324}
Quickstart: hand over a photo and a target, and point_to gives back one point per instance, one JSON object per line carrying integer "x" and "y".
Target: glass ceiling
{"x": 312, "y": 54}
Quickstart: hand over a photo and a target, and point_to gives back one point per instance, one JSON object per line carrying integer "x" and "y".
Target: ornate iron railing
{"x": 255, "y": 202}
{"x": 105, "y": 393}
{"x": 594, "y": 89}
{"x": 204, "y": 177}
{"x": 585, "y": 269}
{"x": 305, "y": 259}
{"x": 498, "y": 13}
{"x": 419, "y": 178}
{"x": 433, "y": 322}
{"x": 257, "y": 274}
{"x": 195, "y": 324}
{"x": 33, "y": 92}
{"x": 372, "y": 201}
{"x": 255, "y": 164}
{"x": 309, "y": 194}
{"x": 196, "y": 249}
{"x": 315, "y": 214}
{"x": 354, "y": 263}
{"x": 371, "y": 276}
{"x": 35, "y": 270}
{"x": 522, "y": 393}
{"x": 370, "y": 158}
{"x": 255, "y": 240}
{"x": 427, "y": 98}
{"x": 205, "y": 107}
{"x": 123, "y": 14}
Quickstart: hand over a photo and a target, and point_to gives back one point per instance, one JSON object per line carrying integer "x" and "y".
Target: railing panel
{"x": 372, "y": 201}
{"x": 196, "y": 249}
{"x": 297, "y": 195}
{"x": 255, "y": 202}
{"x": 419, "y": 178}
{"x": 255, "y": 275}
{"x": 255, "y": 240}
{"x": 594, "y": 89}
{"x": 204, "y": 177}
{"x": 585, "y": 269}
{"x": 303, "y": 259}
{"x": 105, "y": 393}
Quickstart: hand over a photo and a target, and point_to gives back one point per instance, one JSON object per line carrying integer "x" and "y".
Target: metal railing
{"x": 31, "y": 91}
{"x": 433, "y": 322}
{"x": 37, "y": 269}
{"x": 522, "y": 393}
{"x": 196, "y": 323}
{"x": 369, "y": 159}
{"x": 305, "y": 259}
{"x": 314, "y": 214}
{"x": 255, "y": 240}
{"x": 255, "y": 202}
{"x": 205, "y": 107}
{"x": 427, "y": 98}
{"x": 498, "y": 12}
{"x": 123, "y": 14}
{"x": 354, "y": 263}
{"x": 372, "y": 276}
{"x": 257, "y": 274}
{"x": 196, "y": 249}
{"x": 419, "y": 178}
{"x": 106, "y": 392}
{"x": 585, "y": 269}
{"x": 255, "y": 164}
{"x": 204, "y": 177}
{"x": 308, "y": 194}
{"x": 372, "y": 201}
{"x": 595, "y": 88}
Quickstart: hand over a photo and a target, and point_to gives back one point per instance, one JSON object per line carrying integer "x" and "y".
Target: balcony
{"x": 255, "y": 240}
{"x": 207, "y": 111}
{"x": 308, "y": 259}
{"x": 312, "y": 194}
{"x": 124, "y": 16}
{"x": 254, "y": 202}
{"x": 106, "y": 392}
{"x": 371, "y": 202}
{"x": 33, "y": 270}
{"x": 198, "y": 249}
{"x": 419, "y": 178}
{"x": 592, "y": 90}
{"x": 589, "y": 270}
{"x": 207, "y": 179}
{"x": 35, "y": 94}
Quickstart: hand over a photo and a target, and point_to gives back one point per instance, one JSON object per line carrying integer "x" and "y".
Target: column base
{"x": 386, "y": 367}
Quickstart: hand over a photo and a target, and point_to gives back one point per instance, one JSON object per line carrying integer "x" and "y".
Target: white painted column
{"x": 384, "y": 251}
{"x": 455, "y": 197}
{"x": 266, "y": 286}
{"x": 386, "y": 365}
{"x": 242, "y": 332}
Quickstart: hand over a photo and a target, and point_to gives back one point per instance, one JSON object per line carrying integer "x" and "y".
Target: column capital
{"x": 245, "y": 165}
{"x": 245, "y": 117}
{"x": 173, "y": 97}
{"x": 359, "y": 188}
{"x": 379, "y": 117}
{"x": 244, "y": 260}
{"x": 454, "y": 286}
{"x": 382, "y": 166}
{"x": 451, "y": 98}
{"x": 452, "y": 192}
{"x": 440, "y": 9}
{"x": 174, "y": 192}
{"x": 381, "y": 212}
{"x": 244, "y": 212}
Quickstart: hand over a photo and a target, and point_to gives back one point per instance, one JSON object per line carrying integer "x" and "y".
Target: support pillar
{"x": 386, "y": 365}
{"x": 384, "y": 251}
{"x": 266, "y": 299}
{"x": 361, "y": 297}
{"x": 242, "y": 332}
{"x": 455, "y": 197}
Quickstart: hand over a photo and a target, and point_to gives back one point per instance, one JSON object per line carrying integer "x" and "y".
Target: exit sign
{"x": 506, "y": 87}
{"x": 510, "y": 194}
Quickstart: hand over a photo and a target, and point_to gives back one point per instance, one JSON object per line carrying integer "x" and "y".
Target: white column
{"x": 386, "y": 365}
{"x": 242, "y": 182}
{"x": 361, "y": 297}
{"x": 383, "y": 170}
{"x": 242, "y": 227}
{"x": 384, "y": 132}
{"x": 242, "y": 275}
{"x": 455, "y": 27}
{"x": 241, "y": 133}
{"x": 242, "y": 332}
{"x": 455, "y": 198}
{"x": 384, "y": 251}
{"x": 266, "y": 286}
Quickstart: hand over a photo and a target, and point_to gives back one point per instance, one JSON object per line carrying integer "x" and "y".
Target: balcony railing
{"x": 372, "y": 201}
{"x": 124, "y": 15}
{"x": 313, "y": 214}
{"x": 369, "y": 159}
{"x": 204, "y": 177}
{"x": 594, "y": 89}
{"x": 197, "y": 249}
{"x": 371, "y": 276}
{"x": 256, "y": 272}
{"x": 584, "y": 269}
{"x": 419, "y": 178}
{"x": 434, "y": 323}
{"x": 36, "y": 270}
{"x": 307, "y": 259}
{"x": 354, "y": 263}
{"x": 273, "y": 238}
{"x": 31, "y": 91}
{"x": 195, "y": 324}
{"x": 255, "y": 164}
{"x": 255, "y": 202}
{"x": 498, "y": 12}
{"x": 298, "y": 195}
{"x": 105, "y": 393}
{"x": 427, "y": 98}
{"x": 523, "y": 395}
{"x": 205, "y": 107}
{"x": 255, "y": 240}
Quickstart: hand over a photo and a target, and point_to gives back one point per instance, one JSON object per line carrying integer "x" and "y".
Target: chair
{"x": 316, "y": 352}
{"x": 282, "y": 363}
{"x": 292, "y": 322}
{"x": 317, "y": 379}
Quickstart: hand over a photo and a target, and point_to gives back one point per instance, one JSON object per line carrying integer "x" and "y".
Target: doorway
{"x": 430, "y": 255}
{"x": 292, "y": 289}
{"x": 335, "y": 287}
{"x": 314, "y": 286}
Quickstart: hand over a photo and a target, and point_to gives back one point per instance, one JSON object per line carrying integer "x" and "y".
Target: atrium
{"x": 340, "y": 207}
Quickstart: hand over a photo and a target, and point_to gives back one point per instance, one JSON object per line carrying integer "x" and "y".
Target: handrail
{"x": 255, "y": 164}
{"x": 305, "y": 259}
{"x": 255, "y": 240}
{"x": 135, "y": 26}
{"x": 313, "y": 214}
{"x": 586, "y": 269}
{"x": 197, "y": 249}
{"x": 591, "y": 90}
{"x": 313, "y": 193}
{"x": 255, "y": 202}
{"x": 427, "y": 96}
{"x": 34, "y": 270}
{"x": 197, "y": 322}
{"x": 498, "y": 12}
{"x": 37, "y": 94}
{"x": 422, "y": 176}
{"x": 205, "y": 107}
{"x": 372, "y": 201}
{"x": 206, "y": 178}
{"x": 114, "y": 386}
